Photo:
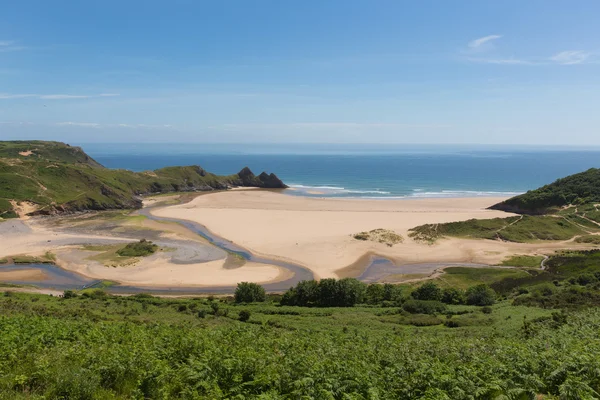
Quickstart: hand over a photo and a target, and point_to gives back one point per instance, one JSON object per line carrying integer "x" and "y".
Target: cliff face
{"x": 59, "y": 178}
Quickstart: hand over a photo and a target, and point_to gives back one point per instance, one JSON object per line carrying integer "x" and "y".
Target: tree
{"x": 249, "y": 292}
{"x": 481, "y": 295}
{"x": 453, "y": 296}
{"x": 328, "y": 292}
{"x": 375, "y": 293}
{"x": 427, "y": 291}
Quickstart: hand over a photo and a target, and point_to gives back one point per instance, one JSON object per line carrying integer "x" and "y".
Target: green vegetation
{"x": 101, "y": 346}
{"x": 523, "y": 261}
{"x": 578, "y": 189}
{"x": 512, "y": 229}
{"x": 249, "y": 292}
{"x": 142, "y": 248}
{"x": 47, "y": 258}
{"x": 384, "y": 236}
{"x": 559, "y": 211}
{"x": 520, "y": 338}
{"x": 590, "y": 239}
{"x": 464, "y": 277}
{"x": 58, "y": 177}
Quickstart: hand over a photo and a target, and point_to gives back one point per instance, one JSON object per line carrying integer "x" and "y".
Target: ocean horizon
{"x": 367, "y": 171}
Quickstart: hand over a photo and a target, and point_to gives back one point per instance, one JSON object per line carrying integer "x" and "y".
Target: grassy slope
{"x": 57, "y": 176}
{"x": 582, "y": 188}
{"x": 114, "y": 347}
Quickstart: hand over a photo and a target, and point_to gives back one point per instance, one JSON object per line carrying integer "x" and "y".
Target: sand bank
{"x": 317, "y": 232}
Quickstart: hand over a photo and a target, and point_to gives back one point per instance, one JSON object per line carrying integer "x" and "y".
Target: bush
{"x": 486, "y": 309}
{"x": 427, "y": 291}
{"x": 453, "y": 296}
{"x": 69, "y": 294}
{"x": 244, "y": 315}
{"x": 481, "y": 295}
{"x": 249, "y": 292}
{"x": 424, "y": 307}
{"x": 201, "y": 313}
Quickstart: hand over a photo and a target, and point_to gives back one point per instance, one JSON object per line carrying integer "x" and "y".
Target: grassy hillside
{"x": 57, "y": 177}
{"x": 578, "y": 189}
{"x": 91, "y": 345}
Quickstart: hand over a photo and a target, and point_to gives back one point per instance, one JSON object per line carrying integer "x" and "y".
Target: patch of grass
{"x": 588, "y": 239}
{"x": 513, "y": 229}
{"x": 384, "y": 236}
{"x": 142, "y": 248}
{"x": 463, "y": 277}
{"x": 47, "y": 258}
{"x": 523, "y": 261}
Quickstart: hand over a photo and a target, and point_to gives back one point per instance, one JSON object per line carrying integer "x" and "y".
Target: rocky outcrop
{"x": 264, "y": 180}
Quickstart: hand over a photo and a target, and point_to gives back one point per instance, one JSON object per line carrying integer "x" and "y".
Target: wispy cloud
{"x": 8, "y": 96}
{"x": 478, "y": 43}
{"x": 10, "y": 45}
{"x": 329, "y": 125}
{"x": 502, "y": 61}
{"x": 571, "y": 57}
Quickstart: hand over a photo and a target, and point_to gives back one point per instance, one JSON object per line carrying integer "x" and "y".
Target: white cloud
{"x": 477, "y": 43}
{"x": 570, "y": 57}
{"x": 503, "y": 61}
{"x": 9, "y": 45}
{"x": 55, "y": 96}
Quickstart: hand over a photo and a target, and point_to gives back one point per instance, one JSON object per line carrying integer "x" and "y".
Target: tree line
{"x": 349, "y": 292}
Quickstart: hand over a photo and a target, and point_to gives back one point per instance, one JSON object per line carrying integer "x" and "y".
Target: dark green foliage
{"x": 582, "y": 188}
{"x": 486, "y": 309}
{"x": 453, "y": 296}
{"x": 326, "y": 293}
{"x": 69, "y": 294}
{"x": 427, "y": 291}
{"x": 139, "y": 249}
{"x": 244, "y": 315}
{"x": 423, "y": 307}
{"x": 249, "y": 292}
{"x": 481, "y": 295}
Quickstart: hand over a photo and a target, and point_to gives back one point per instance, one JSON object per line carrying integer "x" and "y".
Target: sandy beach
{"x": 317, "y": 232}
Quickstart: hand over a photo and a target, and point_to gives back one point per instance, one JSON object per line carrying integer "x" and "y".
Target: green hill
{"x": 57, "y": 177}
{"x": 563, "y": 210}
{"x": 578, "y": 189}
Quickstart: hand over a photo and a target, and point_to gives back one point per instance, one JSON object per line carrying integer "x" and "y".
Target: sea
{"x": 372, "y": 171}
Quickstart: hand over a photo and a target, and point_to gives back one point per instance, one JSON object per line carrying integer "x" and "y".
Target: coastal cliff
{"x": 54, "y": 177}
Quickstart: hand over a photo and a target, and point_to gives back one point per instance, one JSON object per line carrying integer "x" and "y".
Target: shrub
{"x": 486, "y": 309}
{"x": 249, "y": 292}
{"x": 453, "y": 296}
{"x": 423, "y": 307}
{"x": 244, "y": 315}
{"x": 481, "y": 295}
{"x": 201, "y": 313}
{"x": 69, "y": 294}
{"x": 427, "y": 291}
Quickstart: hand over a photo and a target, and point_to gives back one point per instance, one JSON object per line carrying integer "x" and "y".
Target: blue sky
{"x": 506, "y": 72}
